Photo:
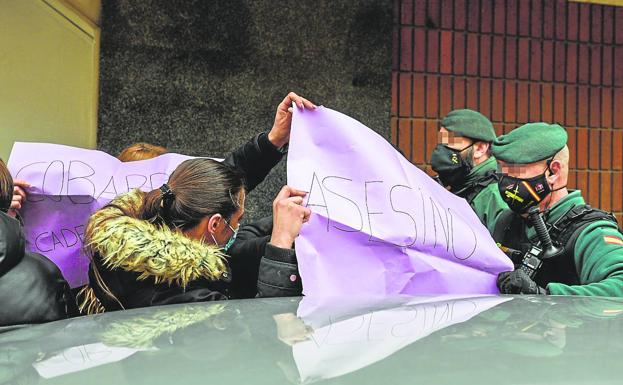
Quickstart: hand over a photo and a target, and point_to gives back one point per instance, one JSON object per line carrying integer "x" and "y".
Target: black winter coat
{"x": 32, "y": 288}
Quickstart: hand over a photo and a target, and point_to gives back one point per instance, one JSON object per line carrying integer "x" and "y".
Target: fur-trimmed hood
{"x": 136, "y": 245}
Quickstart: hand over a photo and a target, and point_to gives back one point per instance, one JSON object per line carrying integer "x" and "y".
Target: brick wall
{"x": 515, "y": 61}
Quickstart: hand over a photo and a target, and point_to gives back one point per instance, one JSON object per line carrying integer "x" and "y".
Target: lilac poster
{"x": 379, "y": 224}
{"x": 67, "y": 185}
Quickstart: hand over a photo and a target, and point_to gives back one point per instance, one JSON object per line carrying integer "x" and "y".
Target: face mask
{"x": 450, "y": 165}
{"x": 521, "y": 194}
{"x": 231, "y": 240}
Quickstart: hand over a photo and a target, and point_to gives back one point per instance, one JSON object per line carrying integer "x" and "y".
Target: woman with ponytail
{"x": 170, "y": 245}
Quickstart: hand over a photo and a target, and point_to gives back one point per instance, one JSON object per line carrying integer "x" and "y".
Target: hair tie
{"x": 166, "y": 192}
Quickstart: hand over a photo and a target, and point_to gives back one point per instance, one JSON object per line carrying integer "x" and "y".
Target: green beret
{"x": 530, "y": 143}
{"x": 469, "y": 123}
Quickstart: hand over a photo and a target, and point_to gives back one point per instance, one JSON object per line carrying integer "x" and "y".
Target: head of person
{"x": 141, "y": 151}
{"x": 6, "y": 188}
{"x": 533, "y": 161}
{"x": 203, "y": 198}
{"x": 463, "y": 142}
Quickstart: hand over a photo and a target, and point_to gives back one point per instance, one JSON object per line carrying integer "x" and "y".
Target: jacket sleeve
{"x": 279, "y": 274}
{"x": 175, "y": 296}
{"x": 34, "y": 291}
{"x": 255, "y": 159}
{"x": 489, "y": 206}
{"x": 245, "y": 256}
{"x": 599, "y": 262}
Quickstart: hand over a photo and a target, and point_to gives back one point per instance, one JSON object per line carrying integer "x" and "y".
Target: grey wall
{"x": 200, "y": 77}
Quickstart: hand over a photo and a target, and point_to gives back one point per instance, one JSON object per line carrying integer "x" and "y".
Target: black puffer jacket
{"x": 245, "y": 256}
{"x": 259, "y": 268}
{"x": 32, "y": 288}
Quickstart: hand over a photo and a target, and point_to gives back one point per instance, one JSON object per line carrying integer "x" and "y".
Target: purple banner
{"x": 67, "y": 185}
{"x": 380, "y": 225}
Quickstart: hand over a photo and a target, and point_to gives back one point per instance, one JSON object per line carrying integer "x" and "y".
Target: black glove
{"x": 518, "y": 282}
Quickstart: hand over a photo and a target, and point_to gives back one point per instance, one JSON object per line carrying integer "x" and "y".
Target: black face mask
{"x": 521, "y": 194}
{"x": 450, "y": 166}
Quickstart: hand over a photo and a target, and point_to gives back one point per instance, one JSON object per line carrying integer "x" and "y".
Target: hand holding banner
{"x": 68, "y": 184}
{"x": 379, "y": 224}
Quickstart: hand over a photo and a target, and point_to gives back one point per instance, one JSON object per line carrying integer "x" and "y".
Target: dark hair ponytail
{"x": 196, "y": 189}
{"x": 6, "y": 187}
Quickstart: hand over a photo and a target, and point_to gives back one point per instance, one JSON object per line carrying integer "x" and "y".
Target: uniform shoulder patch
{"x": 612, "y": 240}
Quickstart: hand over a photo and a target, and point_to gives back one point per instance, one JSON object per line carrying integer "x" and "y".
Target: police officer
{"x": 534, "y": 163}
{"x": 463, "y": 162}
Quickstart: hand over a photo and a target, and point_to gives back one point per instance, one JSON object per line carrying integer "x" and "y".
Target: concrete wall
{"x": 201, "y": 77}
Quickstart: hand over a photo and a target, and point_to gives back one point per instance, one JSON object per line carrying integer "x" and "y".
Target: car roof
{"x": 373, "y": 340}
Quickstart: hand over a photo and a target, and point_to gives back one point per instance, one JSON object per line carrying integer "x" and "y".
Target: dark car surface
{"x": 398, "y": 340}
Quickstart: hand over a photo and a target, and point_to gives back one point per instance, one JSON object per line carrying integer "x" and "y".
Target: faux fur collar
{"x": 153, "y": 251}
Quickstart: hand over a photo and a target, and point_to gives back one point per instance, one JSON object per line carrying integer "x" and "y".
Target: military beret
{"x": 469, "y": 123}
{"x": 530, "y": 143}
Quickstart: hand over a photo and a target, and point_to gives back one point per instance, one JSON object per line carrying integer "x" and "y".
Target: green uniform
{"x": 598, "y": 254}
{"x": 487, "y": 203}
{"x": 474, "y": 184}
{"x": 591, "y": 260}
{"x": 594, "y": 264}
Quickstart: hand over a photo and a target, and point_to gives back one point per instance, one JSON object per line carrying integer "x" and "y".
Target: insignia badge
{"x": 612, "y": 240}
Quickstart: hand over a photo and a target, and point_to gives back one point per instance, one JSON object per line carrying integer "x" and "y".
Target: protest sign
{"x": 379, "y": 224}
{"x": 67, "y": 185}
